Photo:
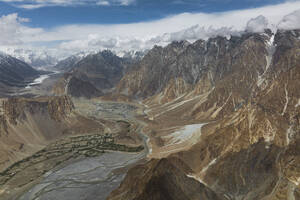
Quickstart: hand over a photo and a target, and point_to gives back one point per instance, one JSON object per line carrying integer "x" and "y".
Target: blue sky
{"x": 88, "y": 12}
{"x": 65, "y": 27}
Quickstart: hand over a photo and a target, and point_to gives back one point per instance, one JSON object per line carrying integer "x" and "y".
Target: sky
{"x": 51, "y": 13}
{"x": 65, "y": 27}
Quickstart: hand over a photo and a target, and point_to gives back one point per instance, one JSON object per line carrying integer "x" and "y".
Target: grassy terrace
{"x": 29, "y": 169}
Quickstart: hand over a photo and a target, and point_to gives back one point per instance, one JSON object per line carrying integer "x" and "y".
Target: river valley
{"x": 80, "y": 167}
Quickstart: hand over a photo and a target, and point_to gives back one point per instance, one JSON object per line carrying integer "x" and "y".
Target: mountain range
{"x": 221, "y": 116}
{"x": 243, "y": 91}
{"x": 35, "y": 58}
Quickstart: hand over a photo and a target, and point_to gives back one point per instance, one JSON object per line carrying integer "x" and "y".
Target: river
{"x": 86, "y": 179}
{"x": 91, "y": 178}
{"x": 40, "y": 79}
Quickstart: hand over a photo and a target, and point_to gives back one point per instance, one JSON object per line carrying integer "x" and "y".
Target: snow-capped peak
{"x": 36, "y": 58}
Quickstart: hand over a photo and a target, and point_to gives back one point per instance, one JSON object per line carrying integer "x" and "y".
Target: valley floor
{"x": 84, "y": 162}
{"x": 84, "y": 166}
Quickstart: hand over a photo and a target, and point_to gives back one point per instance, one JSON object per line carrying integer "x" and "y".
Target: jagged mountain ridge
{"x": 226, "y": 110}
{"x": 203, "y": 62}
{"x": 244, "y": 91}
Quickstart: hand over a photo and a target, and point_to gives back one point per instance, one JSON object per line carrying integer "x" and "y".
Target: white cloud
{"x": 126, "y": 2}
{"x": 258, "y": 24}
{"x": 291, "y": 21}
{"x": 12, "y": 30}
{"x": 70, "y": 39}
{"x": 103, "y": 3}
{"x": 31, "y": 6}
{"x": 34, "y": 4}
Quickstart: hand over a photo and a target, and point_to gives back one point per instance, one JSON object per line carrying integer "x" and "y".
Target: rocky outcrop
{"x": 29, "y": 124}
{"x": 164, "y": 179}
{"x": 3, "y": 125}
{"x": 60, "y": 107}
{"x": 15, "y": 108}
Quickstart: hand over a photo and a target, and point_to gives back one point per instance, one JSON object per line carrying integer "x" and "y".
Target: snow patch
{"x": 270, "y": 42}
{"x": 271, "y": 50}
{"x": 176, "y": 105}
{"x": 286, "y": 100}
{"x": 269, "y": 134}
{"x": 208, "y": 166}
{"x": 289, "y": 134}
{"x": 296, "y": 182}
{"x": 220, "y": 108}
{"x": 196, "y": 178}
{"x": 185, "y": 134}
{"x": 298, "y": 104}
{"x": 149, "y": 146}
{"x": 260, "y": 80}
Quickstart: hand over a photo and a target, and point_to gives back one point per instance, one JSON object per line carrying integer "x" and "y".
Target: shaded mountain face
{"x": 14, "y": 72}
{"x": 103, "y": 70}
{"x": 79, "y": 88}
{"x": 163, "y": 179}
{"x": 244, "y": 94}
{"x": 96, "y": 73}
{"x": 68, "y": 64}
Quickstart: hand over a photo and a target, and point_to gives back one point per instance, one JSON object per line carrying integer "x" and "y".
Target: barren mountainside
{"x": 14, "y": 73}
{"x": 150, "y": 100}
{"x": 163, "y": 179}
{"x": 28, "y": 125}
{"x": 237, "y": 103}
{"x": 96, "y": 73}
{"x": 219, "y": 118}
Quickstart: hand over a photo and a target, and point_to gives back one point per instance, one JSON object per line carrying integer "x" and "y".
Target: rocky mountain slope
{"x": 228, "y": 109}
{"x": 181, "y": 67}
{"x": 15, "y": 73}
{"x": 96, "y": 73}
{"x": 75, "y": 87}
{"x": 163, "y": 179}
{"x": 68, "y": 63}
{"x": 222, "y": 116}
{"x": 28, "y": 125}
